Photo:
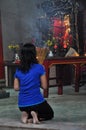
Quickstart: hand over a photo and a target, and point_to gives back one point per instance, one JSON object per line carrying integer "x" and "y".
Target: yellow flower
{"x": 13, "y": 47}
{"x": 49, "y": 43}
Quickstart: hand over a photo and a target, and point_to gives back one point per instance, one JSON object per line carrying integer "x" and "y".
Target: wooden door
{"x": 1, "y": 53}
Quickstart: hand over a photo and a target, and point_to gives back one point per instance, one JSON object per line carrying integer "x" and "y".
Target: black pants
{"x": 43, "y": 110}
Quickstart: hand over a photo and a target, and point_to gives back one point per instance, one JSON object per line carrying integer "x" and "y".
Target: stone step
{"x": 19, "y": 128}
{"x": 10, "y": 124}
{"x": 51, "y": 125}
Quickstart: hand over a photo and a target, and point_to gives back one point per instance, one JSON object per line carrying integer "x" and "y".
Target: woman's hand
{"x": 44, "y": 82}
{"x": 16, "y": 84}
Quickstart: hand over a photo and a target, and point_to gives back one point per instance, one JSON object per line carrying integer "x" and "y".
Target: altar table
{"x": 48, "y": 62}
{"x": 76, "y": 61}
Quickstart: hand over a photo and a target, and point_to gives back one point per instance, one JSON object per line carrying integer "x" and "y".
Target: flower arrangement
{"x": 14, "y": 47}
{"x": 57, "y": 45}
{"x": 52, "y": 43}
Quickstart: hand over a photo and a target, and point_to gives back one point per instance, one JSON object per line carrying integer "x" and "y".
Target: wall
{"x": 18, "y": 22}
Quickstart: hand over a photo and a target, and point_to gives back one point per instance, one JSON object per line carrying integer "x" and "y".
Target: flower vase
{"x": 17, "y": 60}
{"x": 50, "y": 54}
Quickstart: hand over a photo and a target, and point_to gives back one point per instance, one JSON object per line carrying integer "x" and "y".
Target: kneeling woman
{"x": 28, "y": 78}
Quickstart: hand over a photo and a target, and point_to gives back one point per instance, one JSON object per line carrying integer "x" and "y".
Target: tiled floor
{"x": 69, "y": 109}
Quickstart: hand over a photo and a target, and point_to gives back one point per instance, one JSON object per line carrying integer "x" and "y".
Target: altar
{"x": 77, "y": 62}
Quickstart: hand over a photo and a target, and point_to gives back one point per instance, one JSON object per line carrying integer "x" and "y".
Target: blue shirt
{"x": 29, "y": 92}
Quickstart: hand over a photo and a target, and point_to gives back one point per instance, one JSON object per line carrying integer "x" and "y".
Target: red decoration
{"x": 55, "y": 46}
{"x": 58, "y": 27}
{"x": 65, "y": 46}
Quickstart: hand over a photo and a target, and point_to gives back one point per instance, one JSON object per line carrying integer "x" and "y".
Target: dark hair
{"x": 27, "y": 57}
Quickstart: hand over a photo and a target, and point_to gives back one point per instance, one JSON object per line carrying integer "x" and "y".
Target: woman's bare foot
{"x": 30, "y": 120}
{"x": 35, "y": 118}
{"x": 24, "y": 117}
